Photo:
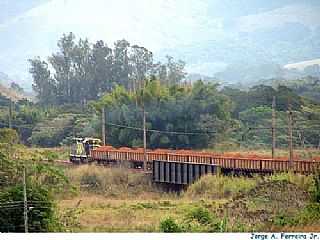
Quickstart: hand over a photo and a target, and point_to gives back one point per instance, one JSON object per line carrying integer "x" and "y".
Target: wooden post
{"x": 10, "y": 114}
{"x": 290, "y": 134}
{"x": 273, "y": 129}
{"x": 103, "y": 127}
{"x": 25, "y": 201}
{"x": 144, "y": 141}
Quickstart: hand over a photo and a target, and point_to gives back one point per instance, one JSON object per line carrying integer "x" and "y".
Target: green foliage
{"x": 43, "y": 182}
{"x": 8, "y": 136}
{"x": 196, "y": 219}
{"x": 308, "y": 87}
{"x": 50, "y": 155}
{"x": 283, "y": 220}
{"x": 316, "y": 188}
{"x": 200, "y": 219}
{"x": 308, "y": 215}
{"x": 40, "y": 214}
{"x": 68, "y": 220}
{"x": 83, "y": 71}
{"x": 199, "y": 214}
{"x": 184, "y": 109}
{"x": 169, "y": 225}
{"x": 51, "y": 132}
{"x": 304, "y": 182}
{"x": 215, "y": 187}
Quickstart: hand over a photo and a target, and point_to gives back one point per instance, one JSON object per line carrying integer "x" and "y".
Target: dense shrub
{"x": 169, "y": 225}
{"x": 218, "y": 186}
{"x": 51, "y": 132}
{"x": 200, "y": 214}
{"x": 9, "y": 136}
{"x": 316, "y": 188}
{"x": 110, "y": 182}
{"x": 41, "y": 209}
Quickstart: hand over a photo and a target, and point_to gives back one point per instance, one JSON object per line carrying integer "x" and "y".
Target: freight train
{"x": 89, "y": 149}
{"x": 81, "y": 149}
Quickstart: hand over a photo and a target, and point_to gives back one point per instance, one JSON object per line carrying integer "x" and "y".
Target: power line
{"x": 160, "y": 131}
{"x": 17, "y": 126}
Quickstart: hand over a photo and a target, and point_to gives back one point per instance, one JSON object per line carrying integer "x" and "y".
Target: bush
{"x": 216, "y": 187}
{"x": 200, "y": 214}
{"x": 282, "y": 220}
{"x": 302, "y": 181}
{"x": 8, "y": 135}
{"x": 309, "y": 214}
{"x": 110, "y": 182}
{"x": 316, "y": 188}
{"x": 41, "y": 209}
{"x": 50, "y": 155}
{"x": 200, "y": 219}
{"x": 169, "y": 225}
{"x": 51, "y": 132}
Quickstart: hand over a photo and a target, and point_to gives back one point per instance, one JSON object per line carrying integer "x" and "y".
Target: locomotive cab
{"x": 81, "y": 149}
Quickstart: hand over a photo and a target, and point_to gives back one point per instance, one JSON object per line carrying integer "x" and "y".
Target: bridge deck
{"x": 231, "y": 163}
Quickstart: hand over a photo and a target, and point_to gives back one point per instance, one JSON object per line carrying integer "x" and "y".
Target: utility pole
{"x": 273, "y": 128}
{"x": 10, "y": 114}
{"x": 25, "y": 201}
{"x": 290, "y": 134}
{"x": 103, "y": 127}
{"x": 144, "y": 140}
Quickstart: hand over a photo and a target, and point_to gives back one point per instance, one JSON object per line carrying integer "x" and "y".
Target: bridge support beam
{"x": 180, "y": 173}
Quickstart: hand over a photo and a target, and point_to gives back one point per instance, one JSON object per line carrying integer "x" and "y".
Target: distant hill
{"x": 304, "y": 64}
{"x": 8, "y": 92}
{"x": 252, "y": 74}
{"x": 12, "y": 94}
{"x": 4, "y": 79}
{"x": 308, "y": 87}
{"x": 192, "y": 77}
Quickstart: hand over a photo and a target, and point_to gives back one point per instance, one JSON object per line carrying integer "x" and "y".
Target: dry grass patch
{"x": 116, "y": 183}
{"x": 101, "y": 214}
{"x": 219, "y": 187}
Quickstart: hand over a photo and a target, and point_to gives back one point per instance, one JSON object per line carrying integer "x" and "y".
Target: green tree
{"x": 141, "y": 63}
{"x": 43, "y": 84}
{"x": 62, "y": 65}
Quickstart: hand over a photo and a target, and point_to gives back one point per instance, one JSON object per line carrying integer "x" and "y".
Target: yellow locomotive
{"x": 80, "y": 151}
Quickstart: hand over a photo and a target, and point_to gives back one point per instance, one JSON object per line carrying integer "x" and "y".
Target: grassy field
{"x": 118, "y": 200}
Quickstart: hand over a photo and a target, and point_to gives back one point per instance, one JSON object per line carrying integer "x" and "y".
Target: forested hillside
{"x": 308, "y": 87}
{"x": 73, "y": 85}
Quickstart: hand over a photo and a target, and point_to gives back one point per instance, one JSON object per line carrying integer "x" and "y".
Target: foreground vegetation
{"x": 122, "y": 202}
{"x": 94, "y": 198}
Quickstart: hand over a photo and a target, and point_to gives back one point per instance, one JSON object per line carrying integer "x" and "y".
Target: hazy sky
{"x": 32, "y": 27}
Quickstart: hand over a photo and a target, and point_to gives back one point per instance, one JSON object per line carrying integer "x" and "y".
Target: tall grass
{"x": 115, "y": 182}
{"x": 304, "y": 182}
{"x": 218, "y": 187}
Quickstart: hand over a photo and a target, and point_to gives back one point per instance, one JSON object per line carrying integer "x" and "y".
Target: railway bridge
{"x": 184, "y": 167}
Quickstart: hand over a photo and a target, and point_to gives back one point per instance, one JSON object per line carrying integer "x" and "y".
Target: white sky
{"x": 155, "y": 24}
